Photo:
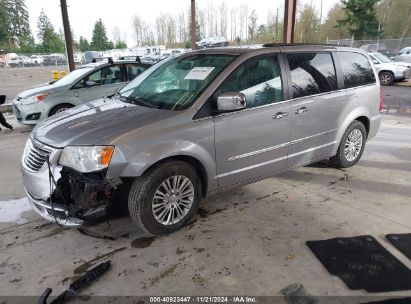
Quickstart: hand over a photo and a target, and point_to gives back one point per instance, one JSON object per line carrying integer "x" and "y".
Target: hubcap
{"x": 173, "y": 199}
{"x": 61, "y": 110}
{"x": 385, "y": 79}
{"x": 353, "y": 145}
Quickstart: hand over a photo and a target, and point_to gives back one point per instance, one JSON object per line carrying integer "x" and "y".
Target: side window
{"x": 133, "y": 70}
{"x": 357, "y": 70}
{"x": 94, "y": 79}
{"x": 111, "y": 75}
{"x": 312, "y": 73}
{"x": 259, "y": 79}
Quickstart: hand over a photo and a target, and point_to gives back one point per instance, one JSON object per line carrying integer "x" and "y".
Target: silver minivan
{"x": 199, "y": 123}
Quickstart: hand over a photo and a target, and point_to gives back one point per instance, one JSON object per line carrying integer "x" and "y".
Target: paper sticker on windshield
{"x": 199, "y": 73}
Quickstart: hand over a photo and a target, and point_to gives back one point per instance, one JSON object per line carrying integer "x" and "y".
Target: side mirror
{"x": 231, "y": 101}
{"x": 375, "y": 61}
{"x": 90, "y": 83}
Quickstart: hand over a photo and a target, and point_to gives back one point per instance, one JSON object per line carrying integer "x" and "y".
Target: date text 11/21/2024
{"x": 204, "y": 299}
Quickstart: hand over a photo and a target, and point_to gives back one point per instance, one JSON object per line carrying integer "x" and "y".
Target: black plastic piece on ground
{"x": 362, "y": 263}
{"x": 402, "y": 242}
{"x": 84, "y": 281}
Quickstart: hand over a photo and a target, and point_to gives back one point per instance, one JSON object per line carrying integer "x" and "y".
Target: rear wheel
{"x": 165, "y": 198}
{"x": 351, "y": 146}
{"x": 386, "y": 78}
{"x": 60, "y": 108}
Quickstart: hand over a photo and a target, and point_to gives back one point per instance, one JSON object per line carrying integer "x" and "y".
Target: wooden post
{"x": 289, "y": 20}
{"x": 193, "y": 25}
{"x": 67, "y": 35}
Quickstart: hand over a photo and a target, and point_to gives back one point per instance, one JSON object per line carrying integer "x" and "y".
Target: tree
{"x": 252, "y": 26}
{"x": 99, "y": 40}
{"x": 329, "y": 29}
{"x": 395, "y": 18}
{"x": 50, "y": 41}
{"x": 307, "y": 25}
{"x": 83, "y": 44}
{"x": 361, "y": 19}
{"x": 14, "y": 24}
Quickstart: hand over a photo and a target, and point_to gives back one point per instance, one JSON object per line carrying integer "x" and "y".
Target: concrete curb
{"x": 6, "y": 108}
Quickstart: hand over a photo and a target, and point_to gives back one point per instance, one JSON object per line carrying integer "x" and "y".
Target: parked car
{"x": 36, "y": 59}
{"x": 404, "y": 55}
{"x": 15, "y": 61}
{"x": 79, "y": 58}
{"x": 26, "y": 61}
{"x": 54, "y": 59}
{"x": 379, "y": 48}
{"x": 390, "y": 71}
{"x": 198, "y": 123}
{"x": 212, "y": 42}
{"x": 80, "y": 86}
{"x": 90, "y": 55}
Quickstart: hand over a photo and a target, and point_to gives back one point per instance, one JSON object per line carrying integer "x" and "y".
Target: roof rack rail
{"x": 135, "y": 58}
{"x": 109, "y": 59}
{"x": 291, "y": 44}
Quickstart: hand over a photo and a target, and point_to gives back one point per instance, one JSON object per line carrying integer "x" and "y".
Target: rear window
{"x": 312, "y": 73}
{"x": 357, "y": 70}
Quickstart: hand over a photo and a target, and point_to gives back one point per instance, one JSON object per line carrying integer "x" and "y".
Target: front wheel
{"x": 59, "y": 108}
{"x": 386, "y": 78}
{"x": 351, "y": 147}
{"x": 165, "y": 198}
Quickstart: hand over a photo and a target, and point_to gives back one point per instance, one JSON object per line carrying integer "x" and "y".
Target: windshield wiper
{"x": 136, "y": 100}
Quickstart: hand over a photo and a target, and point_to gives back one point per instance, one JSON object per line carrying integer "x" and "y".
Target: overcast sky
{"x": 84, "y": 13}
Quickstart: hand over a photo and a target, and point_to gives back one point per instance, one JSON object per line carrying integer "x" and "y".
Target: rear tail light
{"x": 381, "y": 104}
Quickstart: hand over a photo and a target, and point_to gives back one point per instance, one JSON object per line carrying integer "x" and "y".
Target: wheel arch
{"x": 60, "y": 104}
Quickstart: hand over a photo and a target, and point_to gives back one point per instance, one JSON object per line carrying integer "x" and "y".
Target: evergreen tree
{"x": 14, "y": 24}
{"x": 120, "y": 45}
{"x": 50, "y": 41}
{"x": 361, "y": 19}
{"x": 83, "y": 44}
{"x": 99, "y": 40}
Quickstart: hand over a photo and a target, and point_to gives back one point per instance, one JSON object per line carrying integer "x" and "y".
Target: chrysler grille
{"x": 34, "y": 156}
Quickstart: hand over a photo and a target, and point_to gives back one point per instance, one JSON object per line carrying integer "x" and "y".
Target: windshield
{"x": 175, "y": 83}
{"x": 73, "y": 76}
{"x": 382, "y": 58}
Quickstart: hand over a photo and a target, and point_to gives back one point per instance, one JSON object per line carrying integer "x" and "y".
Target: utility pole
{"x": 193, "y": 25}
{"x": 289, "y": 20}
{"x": 67, "y": 35}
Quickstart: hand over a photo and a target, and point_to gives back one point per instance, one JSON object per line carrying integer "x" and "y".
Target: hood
{"x": 96, "y": 123}
{"x": 401, "y": 64}
{"x": 47, "y": 87}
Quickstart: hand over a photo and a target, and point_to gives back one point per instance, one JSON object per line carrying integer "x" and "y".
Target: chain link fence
{"x": 389, "y": 46}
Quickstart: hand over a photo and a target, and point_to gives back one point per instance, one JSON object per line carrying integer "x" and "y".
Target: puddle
{"x": 12, "y": 211}
{"x": 143, "y": 242}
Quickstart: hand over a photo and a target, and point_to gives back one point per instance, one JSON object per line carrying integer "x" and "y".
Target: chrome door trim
{"x": 309, "y": 137}
{"x": 258, "y": 152}
{"x": 274, "y": 160}
{"x": 245, "y": 155}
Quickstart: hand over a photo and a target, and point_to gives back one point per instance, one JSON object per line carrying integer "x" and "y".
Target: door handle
{"x": 280, "y": 115}
{"x": 302, "y": 110}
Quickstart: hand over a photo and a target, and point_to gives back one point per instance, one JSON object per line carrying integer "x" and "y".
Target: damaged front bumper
{"x": 72, "y": 197}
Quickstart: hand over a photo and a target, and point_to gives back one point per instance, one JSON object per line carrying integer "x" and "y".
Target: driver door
{"x": 253, "y": 142}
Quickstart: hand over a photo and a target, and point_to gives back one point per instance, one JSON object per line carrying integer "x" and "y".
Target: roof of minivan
{"x": 300, "y": 47}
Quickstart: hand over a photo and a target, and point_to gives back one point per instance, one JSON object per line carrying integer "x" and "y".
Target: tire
{"x": 343, "y": 160}
{"x": 386, "y": 78}
{"x": 141, "y": 198}
{"x": 60, "y": 108}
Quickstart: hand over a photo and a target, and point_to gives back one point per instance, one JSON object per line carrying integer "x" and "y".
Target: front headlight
{"x": 86, "y": 158}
